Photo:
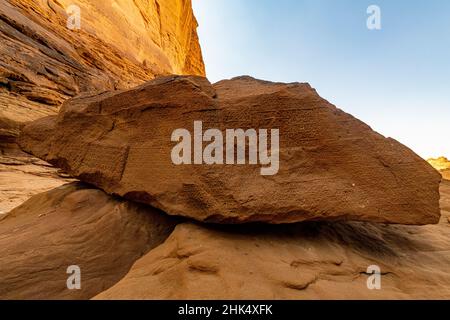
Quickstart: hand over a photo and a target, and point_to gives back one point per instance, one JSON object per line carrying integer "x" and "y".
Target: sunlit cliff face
{"x": 440, "y": 164}
{"x": 162, "y": 33}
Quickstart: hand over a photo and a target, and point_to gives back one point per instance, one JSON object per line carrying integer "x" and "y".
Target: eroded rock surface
{"x": 120, "y": 45}
{"x": 332, "y": 166}
{"x": 22, "y": 176}
{"x": 310, "y": 260}
{"x": 74, "y": 225}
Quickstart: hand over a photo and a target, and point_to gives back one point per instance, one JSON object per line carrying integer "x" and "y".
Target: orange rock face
{"x": 331, "y": 165}
{"x": 119, "y": 44}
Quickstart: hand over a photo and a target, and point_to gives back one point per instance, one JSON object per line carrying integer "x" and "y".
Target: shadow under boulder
{"x": 74, "y": 224}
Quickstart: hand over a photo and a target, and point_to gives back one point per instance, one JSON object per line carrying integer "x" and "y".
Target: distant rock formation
{"x": 120, "y": 45}
{"x": 331, "y": 165}
{"x": 442, "y": 164}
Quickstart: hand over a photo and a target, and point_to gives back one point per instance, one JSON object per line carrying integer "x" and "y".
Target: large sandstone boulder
{"x": 310, "y": 260}
{"x": 120, "y": 45}
{"x": 74, "y": 225}
{"x": 331, "y": 165}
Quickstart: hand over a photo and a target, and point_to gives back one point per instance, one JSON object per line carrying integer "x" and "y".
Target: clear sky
{"x": 396, "y": 79}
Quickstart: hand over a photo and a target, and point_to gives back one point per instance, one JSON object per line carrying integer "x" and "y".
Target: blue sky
{"x": 396, "y": 79}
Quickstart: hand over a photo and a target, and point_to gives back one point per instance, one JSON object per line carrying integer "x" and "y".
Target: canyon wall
{"x": 119, "y": 45}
